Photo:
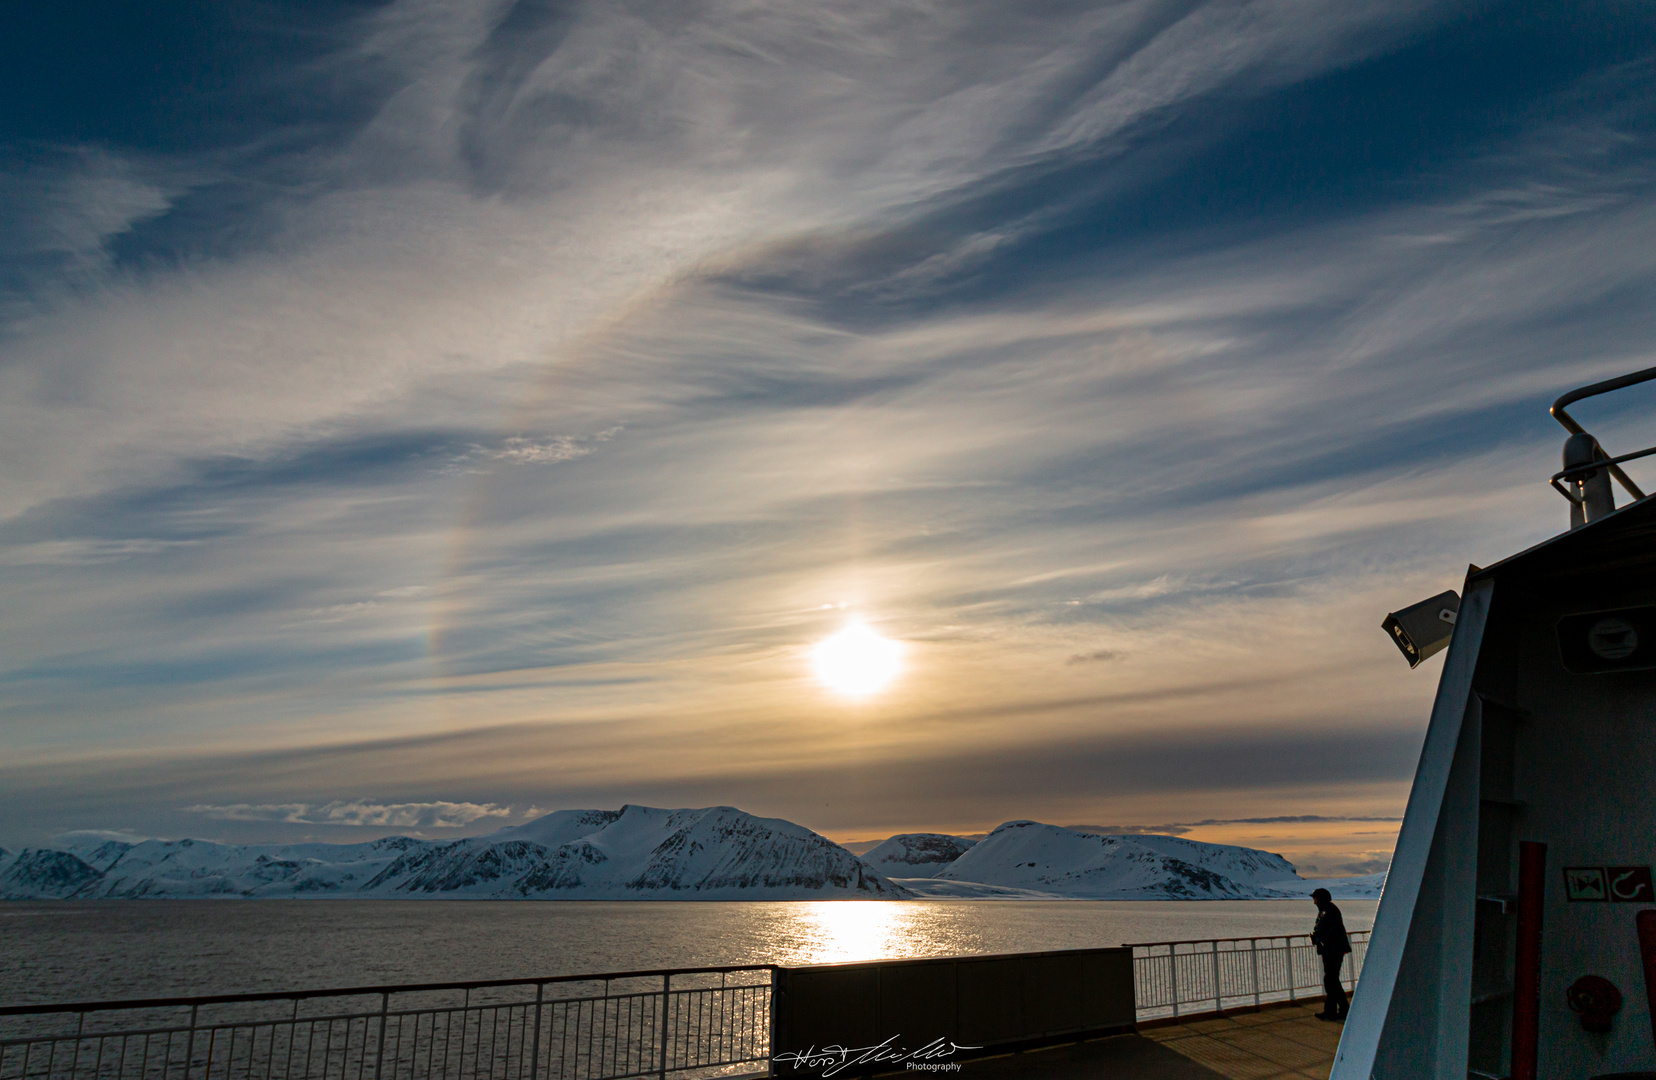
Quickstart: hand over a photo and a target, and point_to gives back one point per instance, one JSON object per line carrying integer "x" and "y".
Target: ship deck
{"x": 1286, "y": 1041}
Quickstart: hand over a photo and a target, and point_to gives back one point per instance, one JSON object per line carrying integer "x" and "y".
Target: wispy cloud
{"x": 1332, "y": 864}
{"x": 1179, "y": 828}
{"x": 61, "y": 210}
{"x": 521, "y": 409}
{"x": 78, "y": 836}
{"x": 88, "y": 551}
{"x": 526, "y": 450}
{"x": 415, "y": 815}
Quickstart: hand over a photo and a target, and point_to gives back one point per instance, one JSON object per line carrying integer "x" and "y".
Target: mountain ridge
{"x": 712, "y": 853}
{"x": 1030, "y": 860}
{"x": 639, "y": 852}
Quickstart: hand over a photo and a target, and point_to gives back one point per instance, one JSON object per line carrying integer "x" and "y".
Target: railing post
{"x": 189, "y": 1043}
{"x": 534, "y": 1051}
{"x": 1253, "y": 962}
{"x": 293, "y": 1036}
{"x": 385, "y": 1010}
{"x": 1173, "y": 966}
{"x": 1218, "y": 998}
{"x": 74, "y": 1062}
{"x": 1293, "y": 980}
{"x": 770, "y": 1036}
{"x": 666, "y": 987}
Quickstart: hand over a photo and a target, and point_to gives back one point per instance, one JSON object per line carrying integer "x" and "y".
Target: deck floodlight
{"x": 1423, "y": 629}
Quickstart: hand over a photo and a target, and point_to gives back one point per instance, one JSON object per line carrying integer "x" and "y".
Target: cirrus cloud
{"x": 354, "y": 812}
{"x": 1044, "y": 337}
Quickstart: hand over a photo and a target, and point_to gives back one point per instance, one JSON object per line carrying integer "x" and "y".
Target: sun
{"x": 856, "y": 661}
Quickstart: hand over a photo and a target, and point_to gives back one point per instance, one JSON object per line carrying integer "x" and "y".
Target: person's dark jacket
{"x": 1329, "y": 935}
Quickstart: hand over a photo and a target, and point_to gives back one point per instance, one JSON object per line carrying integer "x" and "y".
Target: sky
{"x": 416, "y": 417}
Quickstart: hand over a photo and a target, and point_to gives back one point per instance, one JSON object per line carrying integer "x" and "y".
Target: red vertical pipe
{"x": 1646, "y": 921}
{"x": 1526, "y": 973}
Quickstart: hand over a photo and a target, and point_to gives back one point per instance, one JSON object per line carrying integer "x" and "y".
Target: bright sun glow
{"x": 846, "y": 931}
{"x": 857, "y": 661}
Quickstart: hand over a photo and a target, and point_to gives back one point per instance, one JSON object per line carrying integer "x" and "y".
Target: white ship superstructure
{"x": 1508, "y": 939}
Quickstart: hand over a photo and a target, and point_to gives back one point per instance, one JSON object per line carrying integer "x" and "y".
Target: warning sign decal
{"x": 1629, "y": 884}
{"x": 1613, "y": 884}
{"x": 1585, "y": 883}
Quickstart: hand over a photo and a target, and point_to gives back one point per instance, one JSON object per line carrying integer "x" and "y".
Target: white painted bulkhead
{"x": 1409, "y": 1013}
{"x": 1518, "y": 749}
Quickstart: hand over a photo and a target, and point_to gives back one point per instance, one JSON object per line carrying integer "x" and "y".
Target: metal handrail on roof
{"x": 1569, "y": 423}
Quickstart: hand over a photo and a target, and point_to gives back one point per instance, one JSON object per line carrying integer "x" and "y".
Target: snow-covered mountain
{"x": 1027, "y": 858}
{"x": 636, "y": 852}
{"x": 632, "y": 853}
{"x": 916, "y": 855}
{"x": 196, "y": 868}
{"x": 98, "y": 853}
{"x": 41, "y": 874}
{"x": 641, "y": 853}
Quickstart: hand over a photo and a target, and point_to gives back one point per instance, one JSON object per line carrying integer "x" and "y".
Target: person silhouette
{"x": 1329, "y": 936}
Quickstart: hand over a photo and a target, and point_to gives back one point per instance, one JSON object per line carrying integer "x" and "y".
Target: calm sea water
{"x": 80, "y": 951}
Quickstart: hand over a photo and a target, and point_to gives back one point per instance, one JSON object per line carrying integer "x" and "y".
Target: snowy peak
{"x": 1242, "y": 864}
{"x": 916, "y": 854}
{"x": 96, "y": 851}
{"x": 636, "y": 852}
{"x": 37, "y": 874}
{"x": 646, "y": 853}
{"x": 724, "y": 849}
{"x": 561, "y": 826}
{"x": 464, "y": 866}
{"x": 1047, "y": 860}
{"x": 641, "y": 852}
{"x": 181, "y": 868}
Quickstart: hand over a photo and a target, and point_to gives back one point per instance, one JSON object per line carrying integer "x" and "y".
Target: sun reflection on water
{"x": 843, "y": 931}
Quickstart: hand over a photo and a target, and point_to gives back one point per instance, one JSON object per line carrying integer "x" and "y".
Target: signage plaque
{"x": 1609, "y": 884}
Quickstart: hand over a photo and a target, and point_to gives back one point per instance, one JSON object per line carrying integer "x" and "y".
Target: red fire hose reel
{"x": 1595, "y": 999}
{"x": 1592, "y": 997}
{"x": 1646, "y": 922}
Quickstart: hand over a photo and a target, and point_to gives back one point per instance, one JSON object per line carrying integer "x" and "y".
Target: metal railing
{"x": 1176, "y": 978}
{"x": 687, "y": 1022}
{"x": 1580, "y": 482}
{"x": 684, "y": 1022}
